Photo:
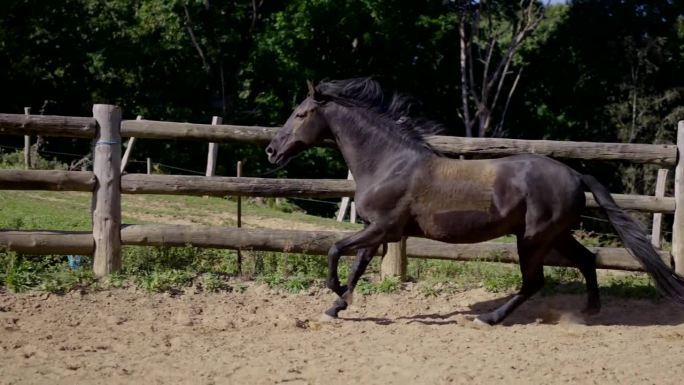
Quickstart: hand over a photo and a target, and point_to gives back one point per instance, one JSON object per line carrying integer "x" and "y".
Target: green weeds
{"x": 158, "y": 269}
{"x": 51, "y": 274}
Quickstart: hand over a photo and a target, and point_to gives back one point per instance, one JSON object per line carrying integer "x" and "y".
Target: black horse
{"x": 405, "y": 188}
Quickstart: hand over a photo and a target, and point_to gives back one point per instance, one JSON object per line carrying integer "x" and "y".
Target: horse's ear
{"x": 312, "y": 88}
{"x": 315, "y": 94}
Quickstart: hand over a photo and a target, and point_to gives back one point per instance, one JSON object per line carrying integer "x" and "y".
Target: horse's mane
{"x": 399, "y": 109}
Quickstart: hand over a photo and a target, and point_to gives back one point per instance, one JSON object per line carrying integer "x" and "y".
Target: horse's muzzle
{"x": 272, "y": 154}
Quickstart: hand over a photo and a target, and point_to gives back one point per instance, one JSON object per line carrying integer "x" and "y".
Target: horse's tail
{"x": 634, "y": 238}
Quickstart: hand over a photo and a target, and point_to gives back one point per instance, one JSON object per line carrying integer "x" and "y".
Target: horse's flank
{"x": 468, "y": 185}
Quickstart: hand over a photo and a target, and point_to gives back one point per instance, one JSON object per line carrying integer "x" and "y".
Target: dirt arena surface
{"x": 261, "y": 336}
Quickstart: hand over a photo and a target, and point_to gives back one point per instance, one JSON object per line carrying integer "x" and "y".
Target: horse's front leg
{"x": 363, "y": 258}
{"x": 371, "y": 236}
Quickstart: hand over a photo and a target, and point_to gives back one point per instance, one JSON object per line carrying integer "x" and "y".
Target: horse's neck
{"x": 366, "y": 149}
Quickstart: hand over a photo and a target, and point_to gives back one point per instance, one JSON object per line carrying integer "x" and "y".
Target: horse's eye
{"x": 300, "y": 115}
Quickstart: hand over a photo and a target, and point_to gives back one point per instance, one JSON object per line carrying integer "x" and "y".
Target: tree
{"x": 490, "y": 34}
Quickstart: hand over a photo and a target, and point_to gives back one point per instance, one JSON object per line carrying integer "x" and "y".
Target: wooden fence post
{"x": 107, "y": 194}
{"x": 213, "y": 150}
{"x": 345, "y": 202}
{"x": 239, "y": 219}
{"x": 129, "y": 148}
{"x": 678, "y": 225}
{"x": 395, "y": 261}
{"x": 658, "y": 217}
{"x": 27, "y": 143}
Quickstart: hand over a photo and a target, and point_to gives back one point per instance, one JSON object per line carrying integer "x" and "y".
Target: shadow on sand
{"x": 556, "y": 309}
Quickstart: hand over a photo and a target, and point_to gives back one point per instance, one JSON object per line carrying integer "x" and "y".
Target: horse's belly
{"x": 460, "y": 226}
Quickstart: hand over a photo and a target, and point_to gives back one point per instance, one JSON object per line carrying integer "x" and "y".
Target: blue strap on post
{"x": 109, "y": 142}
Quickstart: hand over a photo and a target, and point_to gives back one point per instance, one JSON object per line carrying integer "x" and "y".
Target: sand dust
{"x": 261, "y": 336}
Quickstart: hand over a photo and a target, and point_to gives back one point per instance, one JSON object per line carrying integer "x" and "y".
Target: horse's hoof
{"x": 484, "y": 320}
{"x": 326, "y": 318}
{"x": 478, "y": 322}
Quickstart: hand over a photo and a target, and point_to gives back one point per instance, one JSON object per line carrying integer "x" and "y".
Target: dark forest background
{"x": 599, "y": 70}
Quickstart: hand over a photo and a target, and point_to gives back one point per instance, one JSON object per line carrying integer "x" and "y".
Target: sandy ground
{"x": 261, "y": 336}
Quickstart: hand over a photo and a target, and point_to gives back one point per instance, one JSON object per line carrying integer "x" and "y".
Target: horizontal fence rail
{"x": 660, "y": 154}
{"x": 291, "y": 241}
{"x": 255, "y": 187}
{"x": 206, "y": 132}
{"x": 49, "y": 125}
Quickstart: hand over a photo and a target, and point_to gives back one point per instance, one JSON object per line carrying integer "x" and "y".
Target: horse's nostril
{"x": 269, "y": 150}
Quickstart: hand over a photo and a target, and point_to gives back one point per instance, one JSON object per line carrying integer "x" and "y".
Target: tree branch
{"x": 464, "y": 79}
{"x": 188, "y": 26}
{"x": 499, "y": 127}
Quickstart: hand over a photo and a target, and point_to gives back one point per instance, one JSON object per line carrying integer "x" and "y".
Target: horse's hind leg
{"x": 585, "y": 261}
{"x": 363, "y": 258}
{"x": 532, "y": 267}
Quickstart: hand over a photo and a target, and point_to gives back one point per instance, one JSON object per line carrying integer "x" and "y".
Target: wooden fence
{"x": 107, "y": 184}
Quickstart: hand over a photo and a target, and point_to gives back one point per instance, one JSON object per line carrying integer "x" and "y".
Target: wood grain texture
{"x": 318, "y": 243}
{"x": 678, "y": 225}
{"x": 222, "y": 186}
{"x": 661, "y": 154}
{"x": 192, "y": 131}
{"x": 47, "y": 125}
{"x": 656, "y": 229}
{"x": 394, "y": 263}
{"x": 294, "y": 241}
{"x": 212, "y": 152}
{"x": 107, "y": 194}
{"x": 264, "y": 187}
{"x": 48, "y": 242}
{"x": 51, "y": 180}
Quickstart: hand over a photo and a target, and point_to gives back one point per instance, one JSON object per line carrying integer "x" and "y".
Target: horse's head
{"x": 305, "y": 127}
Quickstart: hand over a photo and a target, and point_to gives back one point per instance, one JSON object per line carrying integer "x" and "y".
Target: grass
{"x": 51, "y": 274}
{"x": 176, "y": 269}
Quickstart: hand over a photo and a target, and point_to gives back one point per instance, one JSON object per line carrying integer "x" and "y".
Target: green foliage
{"x": 165, "y": 280}
{"x": 364, "y": 287}
{"x": 500, "y": 280}
{"x": 212, "y": 282}
{"x": 386, "y": 286}
{"x": 389, "y": 285}
{"x": 19, "y": 275}
{"x": 61, "y": 279}
{"x": 292, "y": 284}
{"x": 597, "y": 70}
{"x": 635, "y": 285}
{"x": 49, "y": 273}
{"x": 143, "y": 260}
{"x": 15, "y": 160}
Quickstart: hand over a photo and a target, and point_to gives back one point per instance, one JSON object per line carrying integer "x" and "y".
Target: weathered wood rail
{"x": 255, "y": 187}
{"x": 660, "y": 154}
{"x": 294, "y": 241}
{"x": 108, "y": 236}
